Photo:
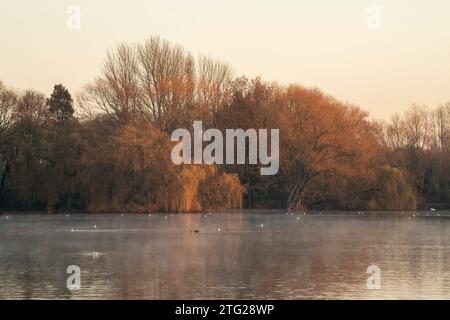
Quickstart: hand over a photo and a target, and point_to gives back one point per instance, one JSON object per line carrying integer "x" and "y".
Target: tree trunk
{"x": 2, "y": 182}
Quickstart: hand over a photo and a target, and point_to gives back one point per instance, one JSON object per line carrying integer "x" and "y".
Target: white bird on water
{"x": 262, "y": 225}
{"x": 432, "y": 209}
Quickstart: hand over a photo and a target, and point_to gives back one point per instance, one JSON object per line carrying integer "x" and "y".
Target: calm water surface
{"x": 236, "y": 255}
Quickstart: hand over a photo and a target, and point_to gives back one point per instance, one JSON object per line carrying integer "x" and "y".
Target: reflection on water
{"x": 234, "y": 255}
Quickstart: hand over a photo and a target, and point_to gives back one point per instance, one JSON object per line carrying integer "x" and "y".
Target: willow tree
{"x": 324, "y": 138}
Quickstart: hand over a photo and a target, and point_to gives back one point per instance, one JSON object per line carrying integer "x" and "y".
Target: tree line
{"x": 108, "y": 149}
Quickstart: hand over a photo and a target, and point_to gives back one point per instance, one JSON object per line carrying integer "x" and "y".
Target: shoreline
{"x": 417, "y": 212}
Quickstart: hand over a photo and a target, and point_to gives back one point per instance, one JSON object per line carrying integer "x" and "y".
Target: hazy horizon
{"x": 322, "y": 44}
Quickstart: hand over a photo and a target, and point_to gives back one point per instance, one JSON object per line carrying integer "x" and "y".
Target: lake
{"x": 234, "y": 255}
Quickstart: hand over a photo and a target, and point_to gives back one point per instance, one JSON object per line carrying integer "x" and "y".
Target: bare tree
{"x": 214, "y": 83}
{"x": 116, "y": 92}
{"x": 157, "y": 81}
{"x": 167, "y": 81}
{"x": 441, "y": 127}
{"x": 396, "y": 132}
{"x": 8, "y": 100}
{"x": 417, "y": 125}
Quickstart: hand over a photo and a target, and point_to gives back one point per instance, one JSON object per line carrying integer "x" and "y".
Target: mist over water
{"x": 235, "y": 255}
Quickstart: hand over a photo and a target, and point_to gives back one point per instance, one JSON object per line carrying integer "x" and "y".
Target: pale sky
{"x": 323, "y": 43}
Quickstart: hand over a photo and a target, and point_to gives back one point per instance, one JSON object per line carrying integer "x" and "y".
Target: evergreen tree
{"x": 60, "y": 105}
